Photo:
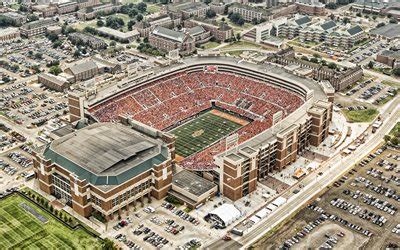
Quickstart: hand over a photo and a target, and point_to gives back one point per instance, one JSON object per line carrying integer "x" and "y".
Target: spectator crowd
{"x": 162, "y": 104}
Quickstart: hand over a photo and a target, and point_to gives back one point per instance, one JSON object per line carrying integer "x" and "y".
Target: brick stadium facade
{"x": 105, "y": 188}
{"x": 237, "y": 171}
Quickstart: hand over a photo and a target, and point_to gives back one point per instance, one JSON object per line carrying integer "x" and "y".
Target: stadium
{"x": 205, "y": 101}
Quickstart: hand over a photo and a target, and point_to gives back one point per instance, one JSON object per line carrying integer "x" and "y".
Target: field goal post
{"x": 232, "y": 141}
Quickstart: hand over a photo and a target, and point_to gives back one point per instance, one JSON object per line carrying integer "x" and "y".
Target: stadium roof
{"x": 192, "y": 183}
{"x": 106, "y": 153}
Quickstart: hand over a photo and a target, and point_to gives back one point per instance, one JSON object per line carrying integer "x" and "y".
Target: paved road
{"x": 335, "y": 167}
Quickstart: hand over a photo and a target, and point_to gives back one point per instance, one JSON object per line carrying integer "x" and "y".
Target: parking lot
{"x": 31, "y": 105}
{"x": 372, "y": 91}
{"x": 16, "y": 167}
{"x": 360, "y": 210}
{"x": 161, "y": 225}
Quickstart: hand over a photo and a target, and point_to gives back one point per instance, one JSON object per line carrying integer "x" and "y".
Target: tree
{"x": 370, "y": 64}
{"x": 238, "y": 37}
{"x": 100, "y": 23}
{"x": 236, "y": 18}
{"x": 358, "y": 14}
{"x": 38, "y": 55}
{"x": 23, "y": 8}
{"x": 52, "y": 37}
{"x": 90, "y": 30}
{"x": 396, "y": 72}
{"x": 132, "y": 13}
{"x": 316, "y": 55}
{"x": 6, "y": 21}
{"x": 114, "y": 22}
{"x": 207, "y": 1}
{"x": 392, "y": 20}
{"x": 394, "y": 140}
{"x": 387, "y": 138}
{"x": 223, "y": 19}
{"x": 304, "y": 58}
{"x": 113, "y": 43}
{"x": 32, "y": 17}
{"x": 314, "y": 60}
{"x": 130, "y": 24}
{"x": 142, "y": 7}
{"x": 380, "y": 25}
{"x": 139, "y": 17}
{"x": 210, "y": 13}
{"x": 108, "y": 245}
{"x": 332, "y": 65}
{"x": 57, "y": 43}
{"x": 55, "y": 70}
{"x": 346, "y": 20}
{"x": 331, "y": 6}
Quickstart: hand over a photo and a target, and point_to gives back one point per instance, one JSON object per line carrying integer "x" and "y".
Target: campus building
{"x": 9, "y": 35}
{"x": 390, "y": 57}
{"x": 326, "y": 31}
{"x": 339, "y": 79}
{"x": 167, "y": 40}
{"x": 89, "y": 40}
{"x": 145, "y": 27}
{"x": 36, "y": 28}
{"x": 186, "y": 10}
{"x": 220, "y": 31}
{"x": 106, "y": 167}
{"x": 249, "y": 13}
{"x": 17, "y": 18}
{"x": 124, "y": 37}
{"x": 310, "y": 7}
{"x": 92, "y": 11}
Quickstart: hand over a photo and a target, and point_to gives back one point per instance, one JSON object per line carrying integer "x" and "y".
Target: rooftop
{"x": 169, "y": 34}
{"x": 390, "y": 31}
{"x": 106, "y": 153}
{"x": 82, "y": 67}
{"x": 119, "y": 34}
{"x": 8, "y": 31}
{"x": 192, "y": 183}
{"x": 391, "y": 53}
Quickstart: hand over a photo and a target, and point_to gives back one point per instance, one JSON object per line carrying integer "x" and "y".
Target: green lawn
{"x": 21, "y": 229}
{"x": 241, "y": 45}
{"x": 390, "y": 83}
{"x": 201, "y": 132}
{"x": 210, "y": 45}
{"x": 153, "y": 8}
{"x": 366, "y": 115}
{"x": 396, "y": 129}
{"x": 131, "y": 1}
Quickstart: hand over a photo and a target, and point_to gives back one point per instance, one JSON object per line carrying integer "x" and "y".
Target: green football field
{"x": 20, "y": 229}
{"x": 201, "y": 132}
